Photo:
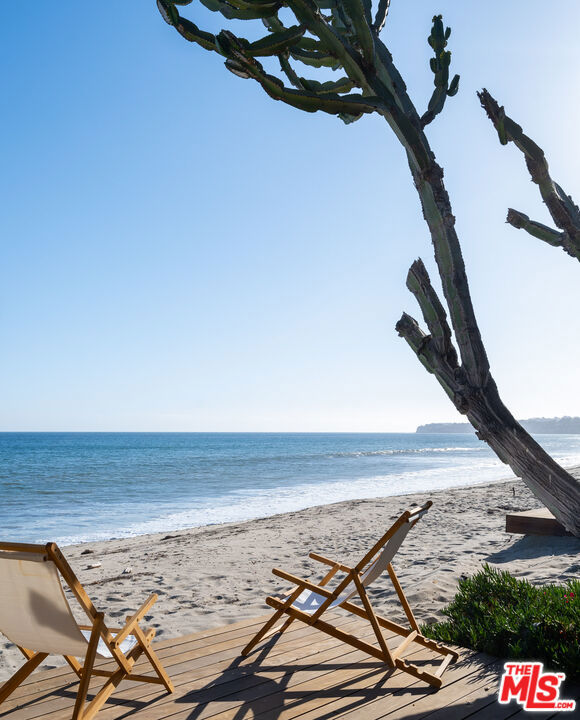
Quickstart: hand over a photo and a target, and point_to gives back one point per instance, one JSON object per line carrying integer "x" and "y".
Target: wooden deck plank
{"x": 268, "y": 698}
{"x": 534, "y": 522}
{"x": 238, "y": 671}
{"x": 322, "y": 693}
{"x": 306, "y": 675}
{"x": 416, "y": 700}
{"x": 56, "y": 696}
{"x": 239, "y": 628}
{"x": 169, "y": 651}
{"x": 267, "y": 695}
{"x": 164, "y": 705}
{"x": 278, "y": 682}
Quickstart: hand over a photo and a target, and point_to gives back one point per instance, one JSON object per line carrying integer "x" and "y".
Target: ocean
{"x": 76, "y": 487}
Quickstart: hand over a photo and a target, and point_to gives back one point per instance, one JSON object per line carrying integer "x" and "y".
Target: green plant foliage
{"x": 494, "y": 612}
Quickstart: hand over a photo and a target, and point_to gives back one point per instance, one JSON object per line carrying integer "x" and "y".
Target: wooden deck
{"x": 534, "y": 522}
{"x": 305, "y": 675}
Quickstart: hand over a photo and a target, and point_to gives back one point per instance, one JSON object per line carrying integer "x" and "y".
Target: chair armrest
{"x": 90, "y": 627}
{"x": 303, "y": 583}
{"x": 134, "y": 619}
{"x": 419, "y": 512}
{"x": 326, "y": 561}
{"x": 321, "y": 558}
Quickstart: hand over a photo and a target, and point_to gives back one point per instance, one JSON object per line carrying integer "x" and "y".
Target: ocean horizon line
{"x": 214, "y": 432}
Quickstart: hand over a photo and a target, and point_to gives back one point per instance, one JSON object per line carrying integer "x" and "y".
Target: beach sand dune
{"x": 214, "y": 575}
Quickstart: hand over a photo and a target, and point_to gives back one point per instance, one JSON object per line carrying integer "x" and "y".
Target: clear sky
{"x": 180, "y": 252}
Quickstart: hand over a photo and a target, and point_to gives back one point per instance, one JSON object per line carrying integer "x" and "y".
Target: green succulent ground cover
{"x": 495, "y": 613}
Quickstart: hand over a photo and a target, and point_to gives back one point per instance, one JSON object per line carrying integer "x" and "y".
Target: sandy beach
{"x": 214, "y": 575}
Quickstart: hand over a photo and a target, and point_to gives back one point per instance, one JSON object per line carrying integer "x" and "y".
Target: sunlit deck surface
{"x": 304, "y": 675}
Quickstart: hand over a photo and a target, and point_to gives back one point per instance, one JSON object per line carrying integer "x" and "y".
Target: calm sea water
{"x": 72, "y": 487}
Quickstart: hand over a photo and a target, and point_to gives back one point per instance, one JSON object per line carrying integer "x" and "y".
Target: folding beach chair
{"x": 35, "y": 615}
{"x": 309, "y": 601}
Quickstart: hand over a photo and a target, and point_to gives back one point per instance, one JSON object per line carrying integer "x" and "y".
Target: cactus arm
{"x": 307, "y": 13}
{"x": 232, "y": 12}
{"x": 562, "y": 208}
{"x": 334, "y": 104}
{"x": 192, "y": 33}
{"x": 314, "y": 58}
{"x": 288, "y": 70}
{"x": 273, "y": 24}
{"x": 440, "y": 68}
{"x": 419, "y": 283}
{"x": 425, "y": 349}
{"x": 381, "y": 15}
{"x": 344, "y": 85}
{"x": 186, "y": 28}
{"x": 522, "y": 222}
{"x": 241, "y": 63}
{"x": 276, "y": 42}
{"x": 272, "y": 6}
{"x": 361, "y": 24}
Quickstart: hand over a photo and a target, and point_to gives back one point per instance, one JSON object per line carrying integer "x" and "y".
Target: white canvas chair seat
{"x": 309, "y": 601}
{"x": 35, "y": 615}
{"x": 103, "y": 649}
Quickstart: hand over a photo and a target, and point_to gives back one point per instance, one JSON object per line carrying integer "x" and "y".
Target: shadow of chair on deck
{"x": 253, "y": 692}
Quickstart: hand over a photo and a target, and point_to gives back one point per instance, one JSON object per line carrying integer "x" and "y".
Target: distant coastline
{"x": 542, "y": 426}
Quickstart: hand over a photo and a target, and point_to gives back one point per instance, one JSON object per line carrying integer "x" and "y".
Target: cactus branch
{"x": 562, "y": 208}
{"x": 361, "y": 25}
{"x": 440, "y": 68}
{"x": 425, "y": 348}
{"x": 351, "y": 105}
{"x": 288, "y": 70}
{"x": 192, "y": 33}
{"x": 522, "y": 222}
{"x": 381, "y": 16}
{"x": 246, "y": 66}
{"x": 419, "y": 283}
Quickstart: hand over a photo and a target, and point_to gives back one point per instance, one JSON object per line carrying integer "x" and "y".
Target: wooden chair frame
{"x": 392, "y": 658}
{"x": 112, "y": 637}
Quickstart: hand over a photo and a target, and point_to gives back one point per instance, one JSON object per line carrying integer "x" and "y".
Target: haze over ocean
{"x": 74, "y": 487}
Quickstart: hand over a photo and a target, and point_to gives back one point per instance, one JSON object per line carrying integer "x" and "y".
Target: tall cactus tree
{"x": 344, "y": 35}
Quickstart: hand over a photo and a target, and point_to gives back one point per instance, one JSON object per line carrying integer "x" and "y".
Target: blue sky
{"x": 180, "y": 252}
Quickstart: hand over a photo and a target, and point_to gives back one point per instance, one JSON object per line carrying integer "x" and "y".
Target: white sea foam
{"x": 251, "y": 503}
{"x": 447, "y": 467}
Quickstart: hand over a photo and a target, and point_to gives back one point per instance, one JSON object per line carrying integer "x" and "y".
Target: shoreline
{"x": 119, "y": 485}
{"x": 574, "y": 469}
{"x": 218, "y": 574}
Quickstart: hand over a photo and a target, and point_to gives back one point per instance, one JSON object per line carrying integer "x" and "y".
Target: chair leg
{"x": 263, "y": 630}
{"x": 75, "y": 665}
{"x": 372, "y": 618}
{"x": 402, "y": 598}
{"x": 279, "y": 629}
{"x": 88, "y": 668}
{"x": 153, "y": 659}
{"x": 112, "y": 683}
{"x": 286, "y": 625}
{"x": 20, "y": 675}
{"x": 273, "y": 620}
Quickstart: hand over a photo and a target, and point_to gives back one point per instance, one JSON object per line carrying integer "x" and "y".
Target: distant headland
{"x": 541, "y": 426}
